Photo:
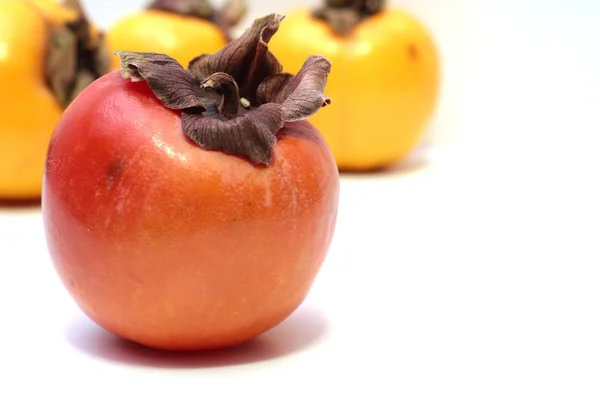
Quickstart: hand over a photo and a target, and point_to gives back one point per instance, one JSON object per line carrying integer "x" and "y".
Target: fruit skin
{"x": 385, "y": 83}
{"x": 181, "y": 37}
{"x": 173, "y": 246}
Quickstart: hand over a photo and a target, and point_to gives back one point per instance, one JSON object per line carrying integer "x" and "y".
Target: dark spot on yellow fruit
{"x": 413, "y": 51}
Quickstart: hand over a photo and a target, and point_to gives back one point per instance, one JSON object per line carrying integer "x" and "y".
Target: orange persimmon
{"x": 385, "y": 78}
{"x": 182, "y": 29}
{"x": 190, "y": 209}
{"x": 39, "y": 75}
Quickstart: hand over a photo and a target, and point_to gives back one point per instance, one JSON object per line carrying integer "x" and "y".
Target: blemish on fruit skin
{"x": 134, "y": 277}
{"x": 114, "y": 172}
{"x": 413, "y": 52}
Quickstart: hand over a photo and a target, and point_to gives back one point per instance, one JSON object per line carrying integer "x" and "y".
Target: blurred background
{"x": 513, "y": 70}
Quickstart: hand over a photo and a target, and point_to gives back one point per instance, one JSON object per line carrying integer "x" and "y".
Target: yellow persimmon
{"x": 53, "y": 11}
{"x": 384, "y": 83}
{"x": 30, "y": 105}
{"x": 182, "y": 29}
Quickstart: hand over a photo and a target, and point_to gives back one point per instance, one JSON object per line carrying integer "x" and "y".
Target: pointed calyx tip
{"x": 237, "y": 99}
{"x": 344, "y": 15}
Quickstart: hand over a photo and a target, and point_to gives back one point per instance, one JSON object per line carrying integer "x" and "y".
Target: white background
{"x": 470, "y": 272}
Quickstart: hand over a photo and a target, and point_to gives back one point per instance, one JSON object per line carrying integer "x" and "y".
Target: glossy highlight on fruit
{"x": 385, "y": 80}
{"x": 192, "y": 209}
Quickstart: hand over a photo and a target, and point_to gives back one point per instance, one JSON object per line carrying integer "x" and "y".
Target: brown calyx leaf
{"x": 235, "y": 100}
{"x": 301, "y": 95}
{"x": 344, "y": 15}
{"x": 212, "y": 126}
{"x": 175, "y": 87}
{"x": 251, "y": 135}
{"x": 247, "y": 59}
{"x": 77, "y": 55}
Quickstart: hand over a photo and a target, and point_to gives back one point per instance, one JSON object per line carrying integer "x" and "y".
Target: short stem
{"x": 225, "y": 85}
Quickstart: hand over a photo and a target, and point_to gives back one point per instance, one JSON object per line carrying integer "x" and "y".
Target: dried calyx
{"x": 226, "y": 18}
{"x": 344, "y": 15}
{"x": 77, "y": 55}
{"x": 237, "y": 99}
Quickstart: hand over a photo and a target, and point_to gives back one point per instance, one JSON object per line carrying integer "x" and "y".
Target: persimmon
{"x": 180, "y": 28}
{"x": 48, "y": 53}
{"x": 190, "y": 209}
{"x": 385, "y": 80}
